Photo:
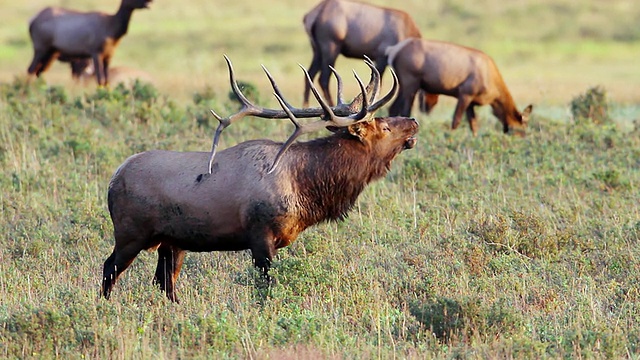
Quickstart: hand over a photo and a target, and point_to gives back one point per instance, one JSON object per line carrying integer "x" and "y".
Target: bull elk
{"x": 467, "y": 74}
{"x": 159, "y": 200}
{"x": 68, "y": 34}
{"x": 355, "y": 30}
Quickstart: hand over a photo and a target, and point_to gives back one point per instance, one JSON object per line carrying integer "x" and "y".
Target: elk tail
{"x": 393, "y": 50}
{"x": 309, "y": 21}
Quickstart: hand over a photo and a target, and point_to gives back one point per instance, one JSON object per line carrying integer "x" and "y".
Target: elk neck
{"x": 120, "y": 21}
{"x": 330, "y": 173}
{"x": 504, "y": 108}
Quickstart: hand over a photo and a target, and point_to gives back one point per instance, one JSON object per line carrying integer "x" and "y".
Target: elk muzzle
{"x": 411, "y": 140}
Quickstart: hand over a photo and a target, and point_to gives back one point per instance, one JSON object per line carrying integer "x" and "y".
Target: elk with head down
{"x": 467, "y": 74}
{"x": 260, "y": 194}
{"x": 68, "y": 34}
{"x": 353, "y": 29}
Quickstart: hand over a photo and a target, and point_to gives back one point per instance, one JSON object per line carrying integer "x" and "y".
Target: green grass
{"x": 471, "y": 247}
{"x": 486, "y": 247}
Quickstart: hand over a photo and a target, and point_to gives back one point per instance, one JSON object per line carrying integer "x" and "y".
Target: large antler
{"x": 330, "y": 118}
{"x": 339, "y": 116}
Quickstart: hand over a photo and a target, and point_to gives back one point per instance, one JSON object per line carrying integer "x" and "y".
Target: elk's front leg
{"x": 263, "y": 250}
{"x": 170, "y": 261}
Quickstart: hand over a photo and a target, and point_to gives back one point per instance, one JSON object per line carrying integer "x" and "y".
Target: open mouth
{"x": 410, "y": 143}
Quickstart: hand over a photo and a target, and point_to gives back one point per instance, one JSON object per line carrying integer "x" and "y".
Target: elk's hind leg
{"x": 473, "y": 120}
{"x": 464, "y": 102}
{"x": 330, "y": 52}
{"x": 170, "y": 260}
{"x": 117, "y": 263}
{"x": 41, "y": 62}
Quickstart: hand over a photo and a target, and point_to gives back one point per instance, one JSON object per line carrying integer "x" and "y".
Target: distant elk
{"x": 83, "y": 72}
{"x": 69, "y": 35}
{"x": 355, "y": 30}
{"x": 260, "y": 194}
{"x": 467, "y": 74}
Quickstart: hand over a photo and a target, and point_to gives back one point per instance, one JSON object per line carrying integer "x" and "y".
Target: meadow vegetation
{"x": 472, "y": 247}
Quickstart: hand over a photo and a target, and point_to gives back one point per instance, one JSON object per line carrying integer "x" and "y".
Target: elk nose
{"x": 414, "y": 123}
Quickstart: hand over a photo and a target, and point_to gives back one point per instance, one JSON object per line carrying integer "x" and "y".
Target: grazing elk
{"x": 355, "y": 30}
{"x": 159, "y": 200}
{"x": 467, "y": 74}
{"x": 69, "y": 35}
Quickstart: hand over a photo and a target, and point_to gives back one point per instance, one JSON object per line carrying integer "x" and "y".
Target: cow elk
{"x": 467, "y": 74}
{"x": 355, "y": 30}
{"x": 69, "y": 35}
{"x": 159, "y": 200}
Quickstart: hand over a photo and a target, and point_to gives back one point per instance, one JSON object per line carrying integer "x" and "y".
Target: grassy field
{"x": 548, "y": 51}
{"x": 485, "y": 247}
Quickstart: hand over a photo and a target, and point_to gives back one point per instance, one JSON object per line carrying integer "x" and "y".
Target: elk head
{"x": 341, "y": 115}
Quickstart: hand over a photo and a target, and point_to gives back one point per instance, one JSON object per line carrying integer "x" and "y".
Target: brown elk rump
{"x": 467, "y": 74}
{"x": 353, "y": 29}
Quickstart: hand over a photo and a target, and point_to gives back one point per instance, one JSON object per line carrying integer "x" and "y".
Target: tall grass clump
{"x": 591, "y": 106}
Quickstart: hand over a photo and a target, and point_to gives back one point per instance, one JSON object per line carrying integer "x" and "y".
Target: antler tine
{"x": 276, "y": 90}
{"x": 300, "y": 130}
{"x": 339, "y": 97}
{"x": 374, "y": 82}
{"x": 223, "y": 123}
{"x": 394, "y": 89}
{"x": 375, "y": 78}
{"x": 247, "y": 107}
{"x": 339, "y": 121}
{"x": 364, "y": 110}
{"x": 321, "y": 124}
{"x": 250, "y": 109}
{"x": 323, "y": 104}
{"x": 326, "y": 112}
{"x": 373, "y": 87}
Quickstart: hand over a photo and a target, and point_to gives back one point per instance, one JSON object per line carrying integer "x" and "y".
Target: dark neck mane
{"x": 121, "y": 21}
{"x": 330, "y": 174}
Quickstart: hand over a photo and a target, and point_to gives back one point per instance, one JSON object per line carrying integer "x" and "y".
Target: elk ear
{"x": 525, "y": 113}
{"x": 358, "y": 130}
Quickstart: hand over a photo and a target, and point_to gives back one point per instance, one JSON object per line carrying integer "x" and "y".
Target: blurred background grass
{"x": 548, "y": 51}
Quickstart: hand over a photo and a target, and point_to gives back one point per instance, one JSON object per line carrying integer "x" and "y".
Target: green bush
{"x": 249, "y": 90}
{"x": 592, "y": 106}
